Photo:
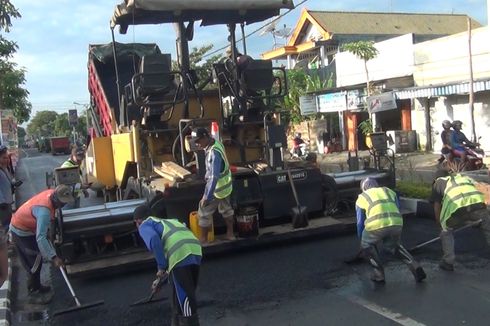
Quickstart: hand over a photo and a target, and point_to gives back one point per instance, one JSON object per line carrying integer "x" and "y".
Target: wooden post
{"x": 472, "y": 93}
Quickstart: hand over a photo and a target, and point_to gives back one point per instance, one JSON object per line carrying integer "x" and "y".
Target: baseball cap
{"x": 199, "y": 133}
{"x": 64, "y": 194}
{"x": 141, "y": 212}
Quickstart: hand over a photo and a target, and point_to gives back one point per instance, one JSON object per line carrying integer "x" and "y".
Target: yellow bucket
{"x": 193, "y": 221}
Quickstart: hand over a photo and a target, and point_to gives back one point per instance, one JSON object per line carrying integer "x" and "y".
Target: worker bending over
{"x": 29, "y": 227}
{"x": 218, "y": 185}
{"x": 178, "y": 253}
{"x": 379, "y": 221}
{"x": 457, "y": 202}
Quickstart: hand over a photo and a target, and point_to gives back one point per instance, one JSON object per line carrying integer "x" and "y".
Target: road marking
{"x": 385, "y": 312}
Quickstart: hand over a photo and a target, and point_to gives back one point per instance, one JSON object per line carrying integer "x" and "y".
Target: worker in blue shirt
{"x": 218, "y": 185}
{"x": 379, "y": 221}
{"x": 178, "y": 254}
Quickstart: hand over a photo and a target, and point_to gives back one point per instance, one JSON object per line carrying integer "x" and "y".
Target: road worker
{"x": 6, "y": 200}
{"x": 76, "y": 159}
{"x": 456, "y": 202}
{"x": 218, "y": 185}
{"x": 379, "y": 221}
{"x": 178, "y": 254}
{"x": 29, "y": 227}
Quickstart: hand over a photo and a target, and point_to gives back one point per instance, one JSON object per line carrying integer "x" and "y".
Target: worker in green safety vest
{"x": 218, "y": 185}
{"x": 178, "y": 255}
{"x": 456, "y": 202}
{"x": 379, "y": 222}
{"x": 76, "y": 159}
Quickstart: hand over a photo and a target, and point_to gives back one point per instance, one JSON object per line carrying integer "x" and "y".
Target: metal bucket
{"x": 247, "y": 221}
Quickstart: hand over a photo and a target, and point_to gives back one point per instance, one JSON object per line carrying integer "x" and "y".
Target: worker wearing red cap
{"x": 379, "y": 221}
{"x": 218, "y": 185}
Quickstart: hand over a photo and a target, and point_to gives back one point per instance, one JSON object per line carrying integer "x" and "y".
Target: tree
{"x": 13, "y": 95}
{"x": 42, "y": 124}
{"x": 364, "y": 50}
{"x": 202, "y": 67}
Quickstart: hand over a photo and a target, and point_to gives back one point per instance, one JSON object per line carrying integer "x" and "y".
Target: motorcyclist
{"x": 298, "y": 145}
{"x": 459, "y": 142}
{"x": 446, "y": 135}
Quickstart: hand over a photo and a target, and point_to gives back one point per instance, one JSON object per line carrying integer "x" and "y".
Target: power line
{"x": 256, "y": 30}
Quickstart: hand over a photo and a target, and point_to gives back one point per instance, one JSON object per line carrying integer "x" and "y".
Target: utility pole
{"x": 472, "y": 92}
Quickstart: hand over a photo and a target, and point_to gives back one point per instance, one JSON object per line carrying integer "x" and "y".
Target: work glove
{"x": 161, "y": 277}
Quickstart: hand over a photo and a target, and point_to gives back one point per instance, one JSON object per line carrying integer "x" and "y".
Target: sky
{"x": 53, "y": 38}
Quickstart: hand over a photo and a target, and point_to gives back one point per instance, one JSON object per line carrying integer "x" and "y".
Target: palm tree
{"x": 365, "y": 51}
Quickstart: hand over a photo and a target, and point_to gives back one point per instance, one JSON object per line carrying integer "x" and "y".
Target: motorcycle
{"x": 474, "y": 158}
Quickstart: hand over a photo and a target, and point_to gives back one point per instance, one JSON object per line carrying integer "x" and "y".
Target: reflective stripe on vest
{"x": 224, "y": 186}
{"x": 380, "y": 207}
{"x": 460, "y": 192}
{"x": 178, "y": 241}
{"x": 23, "y": 218}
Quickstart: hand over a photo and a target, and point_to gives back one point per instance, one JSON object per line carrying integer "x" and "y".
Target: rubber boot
{"x": 189, "y": 321}
{"x": 372, "y": 256}
{"x": 417, "y": 271}
{"x": 447, "y": 241}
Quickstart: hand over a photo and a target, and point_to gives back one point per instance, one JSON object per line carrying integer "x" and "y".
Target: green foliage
{"x": 366, "y": 127}
{"x": 21, "y": 132}
{"x": 50, "y": 124}
{"x": 13, "y": 95}
{"x": 412, "y": 189}
{"x": 202, "y": 67}
{"x": 364, "y": 50}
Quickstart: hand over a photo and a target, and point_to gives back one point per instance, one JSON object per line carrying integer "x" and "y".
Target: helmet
{"x": 457, "y": 123}
{"x": 446, "y": 124}
{"x": 368, "y": 183}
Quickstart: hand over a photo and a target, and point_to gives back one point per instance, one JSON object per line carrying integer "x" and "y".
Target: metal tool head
{"x": 78, "y": 307}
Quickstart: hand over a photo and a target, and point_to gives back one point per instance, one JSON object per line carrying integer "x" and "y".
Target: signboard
{"x": 381, "y": 102}
{"x": 355, "y": 100}
{"x": 72, "y": 117}
{"x": 307, "y": 105}
{"x": 333, "y": 102}
{"x": 8, "y": 128}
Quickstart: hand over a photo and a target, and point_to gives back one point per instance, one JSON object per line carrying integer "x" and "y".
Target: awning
{"x": 210, "y": 12}
{"x": 442, "y": 90}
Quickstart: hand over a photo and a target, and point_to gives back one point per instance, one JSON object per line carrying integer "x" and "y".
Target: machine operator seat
{"x": 256, "y": 82}
{"x": 155, "y": 78}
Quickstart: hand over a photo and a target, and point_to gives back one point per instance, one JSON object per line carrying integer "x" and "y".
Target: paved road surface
{"x": 295, "y": 284}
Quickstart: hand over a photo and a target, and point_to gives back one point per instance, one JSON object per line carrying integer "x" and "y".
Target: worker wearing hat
{"x": 178, "y": 254}
{"x": 379, "y": 221}
{"x": 218, "y": 184}
{"x": 76, "y": 159}
{"x": 456, "y": 202}
{"x": 29, "y": 227}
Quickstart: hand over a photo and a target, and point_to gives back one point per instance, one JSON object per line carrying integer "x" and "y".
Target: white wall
{"x": 395, "y": 59}
{"x": 445, "y": 60}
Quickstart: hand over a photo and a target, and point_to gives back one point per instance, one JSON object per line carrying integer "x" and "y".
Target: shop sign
{"x": 307, "y": 104}
{"x": 381, "y": 102}
{"x": 333, "y": 102}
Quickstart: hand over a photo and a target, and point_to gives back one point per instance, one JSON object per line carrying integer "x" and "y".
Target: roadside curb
{"x": 5, "y": 292}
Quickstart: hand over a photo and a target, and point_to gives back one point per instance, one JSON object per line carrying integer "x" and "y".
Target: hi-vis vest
{"x": 224, "y": 185}
{"x": 381, "y": 209}
{"x": 460, "y": 192}
{"x": 23, "y": 218}
{"x": 178, "y": 241}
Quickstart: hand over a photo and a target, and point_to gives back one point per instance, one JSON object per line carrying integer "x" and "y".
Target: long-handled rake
{"x": 78, "y": 306}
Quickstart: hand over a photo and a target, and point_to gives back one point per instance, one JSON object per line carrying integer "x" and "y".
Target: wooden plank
{"x": 176, "y": 169}
{"x": 161, "y": 172}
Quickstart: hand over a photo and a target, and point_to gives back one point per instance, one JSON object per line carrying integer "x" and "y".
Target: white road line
{"x": 385, "y": 312}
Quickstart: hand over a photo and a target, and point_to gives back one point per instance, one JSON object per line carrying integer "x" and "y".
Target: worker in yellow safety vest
{"x": 457, "y": 202}
{"x": 379, "y": 221}
{"x": 218, "y": 185}
{"x": 178, "y": 255}
{"x": 76, "y": 159}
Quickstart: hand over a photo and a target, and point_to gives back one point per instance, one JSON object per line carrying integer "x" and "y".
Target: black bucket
{"x": 247, "y": 221}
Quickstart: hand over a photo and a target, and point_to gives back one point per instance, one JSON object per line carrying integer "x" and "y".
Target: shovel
{"x": 299, "y": 213}
{"x": 149, "y": 299}
{"x": 78, "y": 306}
{"x": 423, "y": 244}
